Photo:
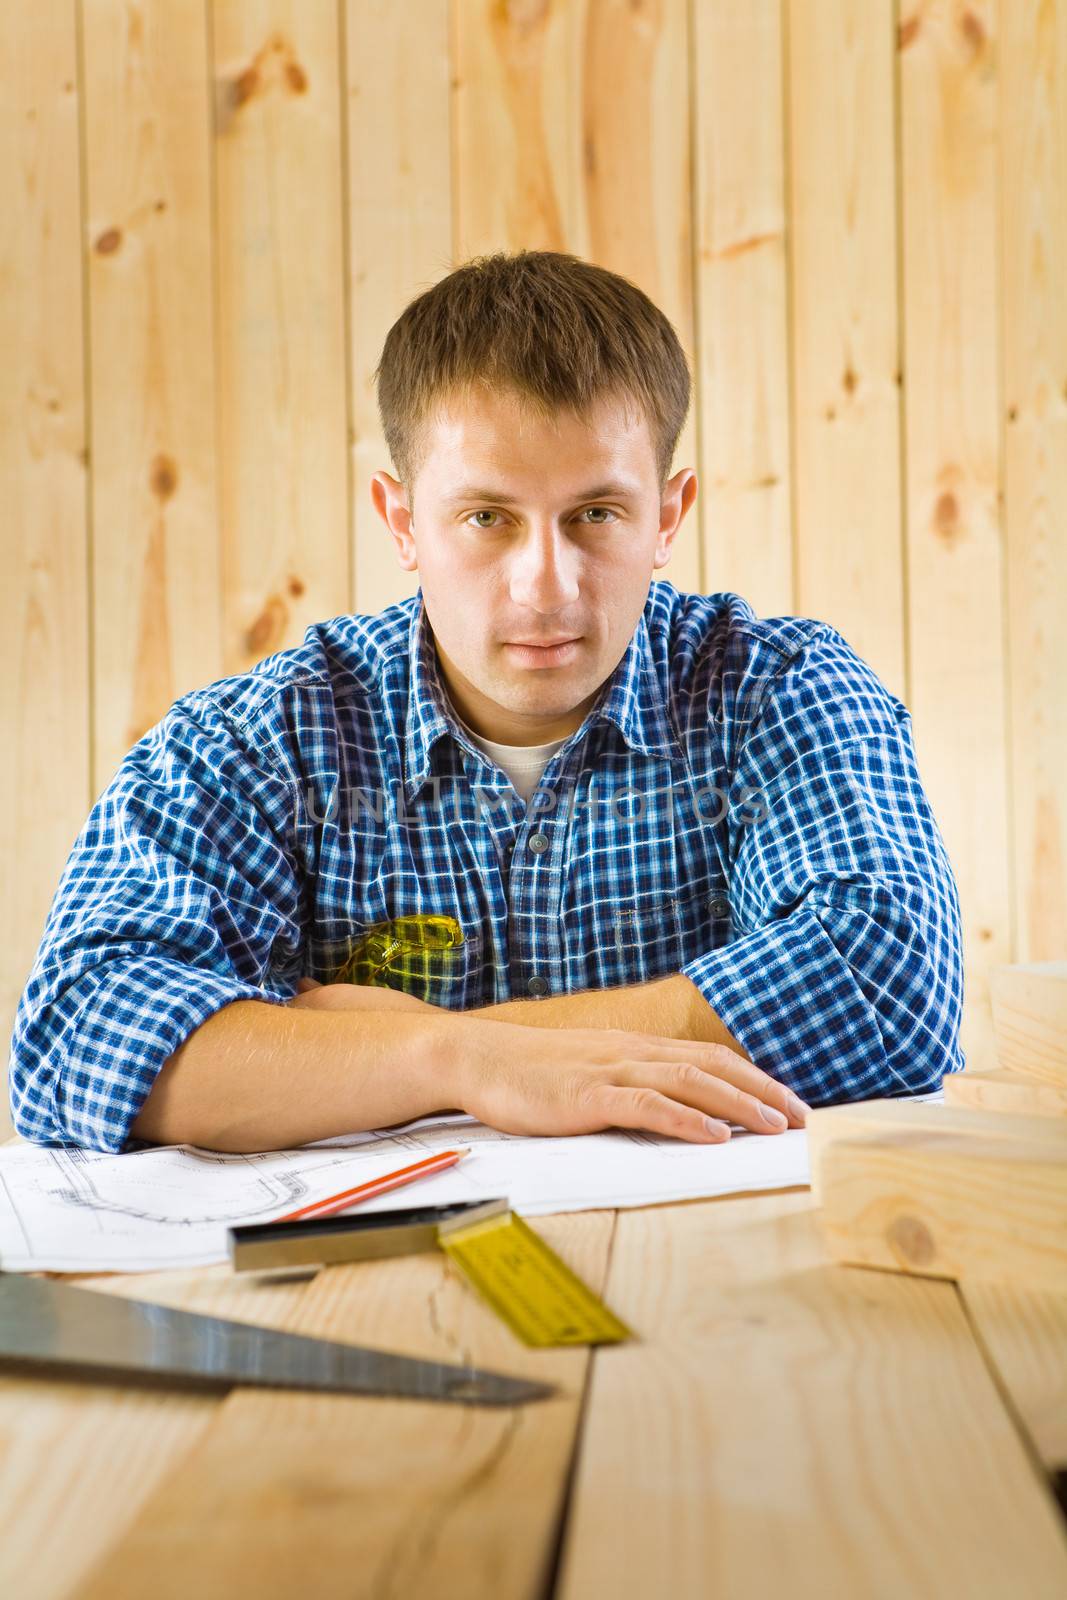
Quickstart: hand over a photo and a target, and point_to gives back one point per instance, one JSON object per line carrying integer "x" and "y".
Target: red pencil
{"x": 380, "y": 1185}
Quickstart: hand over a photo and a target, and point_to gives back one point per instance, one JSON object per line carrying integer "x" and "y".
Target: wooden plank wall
{"x": 854, "y": 212}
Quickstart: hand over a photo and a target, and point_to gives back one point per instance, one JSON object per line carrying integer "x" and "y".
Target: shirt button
{"x": 538, "y": 843}
{"x": 537, "y": 986}
{"x": 720, "y": 906}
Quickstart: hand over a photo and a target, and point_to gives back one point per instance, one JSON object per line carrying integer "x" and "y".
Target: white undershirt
{"x": 523, "y": 763}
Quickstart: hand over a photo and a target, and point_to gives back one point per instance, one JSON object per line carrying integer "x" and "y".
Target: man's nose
{"x": 544, "y": 571}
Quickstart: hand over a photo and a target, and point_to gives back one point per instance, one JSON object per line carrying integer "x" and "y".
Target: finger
{"x": 724, "y": 1063}
{"x": 707, "y": 1092}
{"x": 304, "y": 984}
{"x": 728, "y": 1065}
{"x": 657, "y": 1113}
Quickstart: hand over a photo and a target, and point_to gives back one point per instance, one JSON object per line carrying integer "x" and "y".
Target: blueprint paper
{"x": 66, "y": 1209}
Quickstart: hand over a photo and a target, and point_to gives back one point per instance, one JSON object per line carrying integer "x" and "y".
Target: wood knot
{"x": 911, "y": 1241}
{"x": 849, "y": 381}
{"x": 268, "y": 627}
{"x": 296, "y": 77}
{"x": 523, "y": 15}
{"x": 907, "y": 32}
{"x": 296, "y": 587}
{"x": 973, "y": 31}
{"x": 243, "y": 87}
{"x": 163, "y": 477}
{"x": 108, "y": 242}
{"x": 947, "y": 517}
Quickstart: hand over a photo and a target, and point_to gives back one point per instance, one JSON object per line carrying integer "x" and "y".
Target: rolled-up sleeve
{"x": 844, "y": 975}
{"x": 180, "y": 895}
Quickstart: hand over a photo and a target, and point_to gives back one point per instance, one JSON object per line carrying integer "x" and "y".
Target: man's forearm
{"x": 257, "y": 1076}
{"x": 672, "y": 1007}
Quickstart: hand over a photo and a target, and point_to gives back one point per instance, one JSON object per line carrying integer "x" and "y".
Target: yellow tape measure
{"x": 527, "y": 1284}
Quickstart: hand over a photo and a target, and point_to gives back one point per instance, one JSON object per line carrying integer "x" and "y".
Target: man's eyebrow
{"x": 604, "y": 491}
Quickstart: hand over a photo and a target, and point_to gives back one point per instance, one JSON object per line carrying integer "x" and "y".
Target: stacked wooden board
{"x": 974, "y": 1188}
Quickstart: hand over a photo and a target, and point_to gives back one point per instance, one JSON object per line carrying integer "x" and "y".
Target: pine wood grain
{"x": 78, "y": 1460}
{"x": 1030, "y": 1020}
{"x": 320, "y": 1496}
{"x": 740, "y": 273}
{"x": 1025, "y": 1333}
{"x": 949, "y": 111}
{"x": 149, "y": 248}
{"x": 845, "y": 325}
{"x": 282, "y": 443}
{"x": 1033, "y": 248}
{"x": 948, "y": 1205}
{"x": 873, "y": 1118}
{"x": 399, "y": 223}
{"x": 826, "y": 1430}
{"x": 1006, "y": 1091}
{"x": 44, "y": 612}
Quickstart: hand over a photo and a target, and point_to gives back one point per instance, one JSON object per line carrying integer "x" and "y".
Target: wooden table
{"x": 781, "y": 1427}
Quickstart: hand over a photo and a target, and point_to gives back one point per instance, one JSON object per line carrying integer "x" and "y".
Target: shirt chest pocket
{"x": 448, "y": 975}
{"x": 449, "y": 978}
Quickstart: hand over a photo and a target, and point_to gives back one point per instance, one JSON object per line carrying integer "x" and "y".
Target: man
{"x": 678, "y": 862}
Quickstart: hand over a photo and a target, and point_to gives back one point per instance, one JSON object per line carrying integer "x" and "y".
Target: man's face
{"x": 526, "y": 533}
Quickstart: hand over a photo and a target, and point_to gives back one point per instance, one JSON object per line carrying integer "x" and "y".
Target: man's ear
{"x": 678, "y": 495}
{"x": 391, "y": 503}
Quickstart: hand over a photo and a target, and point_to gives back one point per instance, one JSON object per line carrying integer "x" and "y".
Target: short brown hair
{"x": 560, "y": 332}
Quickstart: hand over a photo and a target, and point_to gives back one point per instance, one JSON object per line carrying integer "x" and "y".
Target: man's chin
{"x": 533, "y": 701}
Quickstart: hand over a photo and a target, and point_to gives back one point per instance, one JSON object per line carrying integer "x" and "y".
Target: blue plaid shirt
{"x": 741, "y": 804}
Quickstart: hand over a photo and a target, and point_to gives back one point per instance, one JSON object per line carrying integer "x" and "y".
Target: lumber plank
{"x": 1029, "y": 46}
{"x": 822, "y": 1431}
{"x": 1025, "y": 1334}
{"x": 843, "y": 270}
{"x": 1006, "y": 1090}
{"x": 872, "y": 1118}
{"x": 45, "y": 786}
{"x": 292, "y": 1493}
{"x": 740, "y": 267}
{"x": 156, "y": 571}
{"x": 78, "y": 1460}
{"x": 1030, "y": 1020}
{"x": 280, "y": 325}
{"x": 947, "y": 1205}
{"x": 951, "y": 413}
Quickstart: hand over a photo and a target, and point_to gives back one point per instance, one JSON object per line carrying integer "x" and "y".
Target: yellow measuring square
{"x": 527, "y": 1284}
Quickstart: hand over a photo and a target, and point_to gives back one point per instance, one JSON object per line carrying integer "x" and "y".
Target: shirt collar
{"x": 631, "y": 698}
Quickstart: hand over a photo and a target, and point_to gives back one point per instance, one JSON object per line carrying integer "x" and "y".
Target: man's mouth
{"x": 543, "y": 653}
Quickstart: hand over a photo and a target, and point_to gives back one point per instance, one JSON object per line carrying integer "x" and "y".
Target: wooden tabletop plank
{"x": 789, "y": 1426}
{"x": 291, "y": 1493}
{"x": 1025, "y": 1334}
{"x": 77, "y": 1460}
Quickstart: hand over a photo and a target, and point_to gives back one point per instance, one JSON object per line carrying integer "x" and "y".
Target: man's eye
{"x": 598, "y": 524}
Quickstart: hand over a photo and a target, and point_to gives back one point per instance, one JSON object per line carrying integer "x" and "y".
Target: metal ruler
{"x": 509, "y": 1265}
{"x": 47, "y": 1326}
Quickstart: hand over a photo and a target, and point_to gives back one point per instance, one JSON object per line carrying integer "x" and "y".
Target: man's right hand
{"x": 581, "y": 1080}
